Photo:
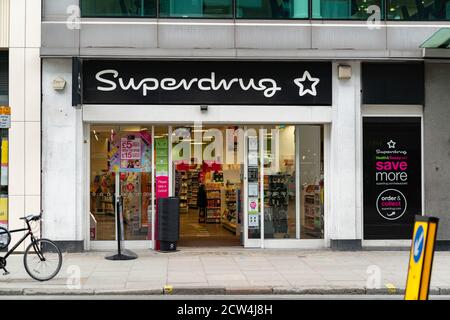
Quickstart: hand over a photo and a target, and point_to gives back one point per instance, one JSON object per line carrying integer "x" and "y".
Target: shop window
{"x": 346, "y": 9}
{"x": 271, "y": 9}
{"x": 411, "y": 10}
{"x": 311, "y": 181}
{"x": 279, "y": 182}
{"x": 196, "y": 9}
{"x": 114, "y": 8}
{"x": 124, "y": 155}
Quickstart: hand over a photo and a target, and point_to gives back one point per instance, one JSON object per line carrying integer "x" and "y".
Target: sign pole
{"x": 421, "y": 258}
{"x": 125, "y": 254}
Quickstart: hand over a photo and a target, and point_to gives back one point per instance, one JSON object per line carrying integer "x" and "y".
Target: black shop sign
{"x": 392, "y": 176}
{"x": 206, "y": 82}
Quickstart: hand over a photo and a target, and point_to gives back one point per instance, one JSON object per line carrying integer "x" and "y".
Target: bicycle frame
{"x": 29, "y": 233}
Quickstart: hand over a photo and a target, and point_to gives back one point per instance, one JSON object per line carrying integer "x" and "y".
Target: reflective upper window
{"x": 118, "y": 8}
{"x": 406, "y": 10}
{"x": 347, "y": 9}
{"x": 196, "y": 9}
{"x": 413, "y": 10}
{"x": 271, "y": 9}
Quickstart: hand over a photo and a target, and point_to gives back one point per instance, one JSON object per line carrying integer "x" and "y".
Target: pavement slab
{"x": 228, "y": 271}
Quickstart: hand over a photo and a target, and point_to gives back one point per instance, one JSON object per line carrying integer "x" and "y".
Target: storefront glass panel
{"x": 279, "y": 182}
{"x": 311, "y": 178}
{"x": 196, "y": 9}
{"x": 271, "y": 9}
{"x": 125, "y": 151}
{"x": 114, "y": 8}
{"x": 205, "y": 167}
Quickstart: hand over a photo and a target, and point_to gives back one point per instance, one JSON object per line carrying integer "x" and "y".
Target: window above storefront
{"x": 412, "y": 10}
{"x": 403, "y": 10}
{"x": 346, "y": 9}
{"x": 273, "y": 9}
{"x": 118, "y": 8}
{"x": 196, "y": 9}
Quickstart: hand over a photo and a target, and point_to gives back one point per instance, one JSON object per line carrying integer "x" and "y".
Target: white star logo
{"x": 391, "y": 144}
{"x": 299, "y": 82}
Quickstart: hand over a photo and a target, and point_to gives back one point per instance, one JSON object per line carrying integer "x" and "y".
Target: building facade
{"x": 20, "y": 77}
{"x": 341, "y": 106}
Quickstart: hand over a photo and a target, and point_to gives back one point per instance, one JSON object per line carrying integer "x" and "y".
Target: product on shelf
{"x": 213, "y": 197}
{"x": 193, "y": 181}
{"x": 313, "y": 211}
{"x": 230, "y": 213}
{"x": 181, "y": 189}
{"x": 276, "y": 199}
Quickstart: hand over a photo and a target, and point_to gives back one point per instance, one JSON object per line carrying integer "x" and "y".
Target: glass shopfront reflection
{"x": 284, "y": 185}
{"x": 126, "y": 152}
{"x": 279, "y": 182}
{"x": 311, "y": 178}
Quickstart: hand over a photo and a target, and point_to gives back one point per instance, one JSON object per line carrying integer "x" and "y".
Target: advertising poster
{"x": 392, "y": 176}
{"x": 131, "y": 152}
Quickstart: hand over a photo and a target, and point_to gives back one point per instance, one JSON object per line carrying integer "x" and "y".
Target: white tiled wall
{"x": 24, "y": 99}
{"x": 32, "y": 83}
{"x": 4, "y": 23}
{"x": 33, "y": 23}
{"x": 16, "y": 160}
{"x": 17, "y": 23}
{"x": 17, "y": 83}
{"x": 32, "y": 158}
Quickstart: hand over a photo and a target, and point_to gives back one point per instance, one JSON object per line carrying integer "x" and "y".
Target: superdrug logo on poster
{"x": 206, "y": 82}
{"x": 392, "y": 176}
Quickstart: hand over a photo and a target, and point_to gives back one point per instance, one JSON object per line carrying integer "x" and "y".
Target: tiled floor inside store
{"x": 193, "y": 233}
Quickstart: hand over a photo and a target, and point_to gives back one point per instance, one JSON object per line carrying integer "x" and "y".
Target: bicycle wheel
{"x": 5, "y": 238}
{"x": 42, "y": 259}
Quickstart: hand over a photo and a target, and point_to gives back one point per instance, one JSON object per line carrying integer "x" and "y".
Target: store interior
{"x": 211, "y": 190}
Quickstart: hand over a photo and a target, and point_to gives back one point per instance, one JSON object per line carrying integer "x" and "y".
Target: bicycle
{"x": 42, "y": 258}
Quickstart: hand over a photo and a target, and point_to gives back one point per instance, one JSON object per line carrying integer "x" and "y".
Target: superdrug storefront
{"x": 265, "y": 154}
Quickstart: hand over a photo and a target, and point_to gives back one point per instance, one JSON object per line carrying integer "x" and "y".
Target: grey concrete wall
{"x": 437, "y": 145}
{"x": 60, "y": 156}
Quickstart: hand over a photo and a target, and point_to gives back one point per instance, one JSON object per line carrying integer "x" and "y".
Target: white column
{"x": 24, "y": 99}
{"x": 345, "y": 223}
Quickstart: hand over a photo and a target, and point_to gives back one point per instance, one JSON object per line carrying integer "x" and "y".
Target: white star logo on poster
{"x": 300, "y": 83}
{"x": 391, "y": 144}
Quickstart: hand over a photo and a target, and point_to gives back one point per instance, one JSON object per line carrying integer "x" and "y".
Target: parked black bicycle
{"x": 42, "y": 258}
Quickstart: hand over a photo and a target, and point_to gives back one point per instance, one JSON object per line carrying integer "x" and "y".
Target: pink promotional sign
{"x": 162, "y": 187}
